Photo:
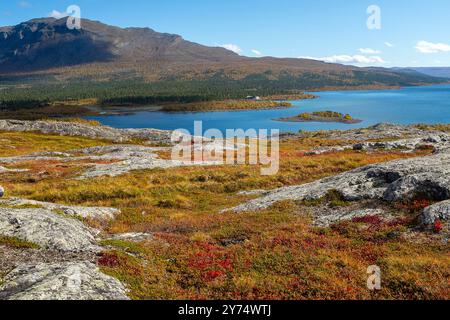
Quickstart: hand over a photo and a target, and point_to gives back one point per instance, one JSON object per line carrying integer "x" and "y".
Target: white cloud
{"x": 347, "y": 59}
{"x": 232, "y": 47}
{"x": 429, "y": 47}
{"x": 388, "y": 44}
{"x": 369, "y": 51}
{"x": 257, "y": 52}
{"x": 24, "y": 4}
{"x": 57, "y": 15}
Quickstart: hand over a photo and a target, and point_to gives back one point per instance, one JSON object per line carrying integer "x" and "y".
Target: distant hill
{"x": 442, "y": 72}
{"x": 108, "y": 61}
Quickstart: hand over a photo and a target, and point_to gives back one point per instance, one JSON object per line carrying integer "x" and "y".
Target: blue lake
{"x": 409, "y": 105}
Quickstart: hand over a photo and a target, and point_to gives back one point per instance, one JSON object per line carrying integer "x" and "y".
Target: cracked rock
{"x": 438, "y": 211}
{"x": 338, "y": 215}
{"x": 99, "y": 213}
{"x": 132, "y": 236}
{"x": 61, "y": 281}
{"x": 48, "y": 230}
{"x": 392, "y": 181}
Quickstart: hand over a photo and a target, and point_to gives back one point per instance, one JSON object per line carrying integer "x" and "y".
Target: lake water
{"x": 409, "y": 105}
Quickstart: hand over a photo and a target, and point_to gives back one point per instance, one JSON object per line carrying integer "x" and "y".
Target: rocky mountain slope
{"x": 98, "y": 50}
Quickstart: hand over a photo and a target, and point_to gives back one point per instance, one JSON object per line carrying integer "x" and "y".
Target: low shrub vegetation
{"x": 197, "y": 252}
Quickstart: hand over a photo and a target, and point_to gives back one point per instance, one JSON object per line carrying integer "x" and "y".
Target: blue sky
{"x": 413, "y": 32}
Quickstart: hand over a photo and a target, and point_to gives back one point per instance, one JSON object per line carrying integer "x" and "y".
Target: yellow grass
{"x": 200, "y": 253}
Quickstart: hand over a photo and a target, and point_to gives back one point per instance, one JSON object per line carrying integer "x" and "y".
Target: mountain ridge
{"x": 441, "y": 72}
{"x": 109, "y": 61}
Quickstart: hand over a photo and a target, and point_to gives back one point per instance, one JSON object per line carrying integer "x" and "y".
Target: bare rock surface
{"x": 6, "y": 170}
{"x": 438, "y": 142}
{"x": 12, "y": 257}
{"x": 132, "y": 158}
{"x": 152, "y": 135}
{"x": 100, "y": 213}
{"x": 47, "y": 229}
{"x": 38, "y": 156}
{"x": 391, "y": 181}
{"x": 123, "y": 159}
{"x": 438, "y": 211}
{"x": 64, "y": 128}
{"x": 132, "y": 236}
{"x": 84, "y": 130}
{"x": 61, "y": 281}
{"x": 253, "y": 193}
{"x": 341, "y": 214}
{"x": 381, "y": 131}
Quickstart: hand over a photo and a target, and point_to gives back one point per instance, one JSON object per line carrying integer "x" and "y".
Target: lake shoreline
{"x": 405, "y": 106}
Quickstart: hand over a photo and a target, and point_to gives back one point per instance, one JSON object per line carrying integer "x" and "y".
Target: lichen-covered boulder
{"x": 438, "y": 211}
{"x": 392, "y": 181}
{"x": 99, "y": 213}
{"x": 61, "y": 281}
{"x": 47, "y": 229}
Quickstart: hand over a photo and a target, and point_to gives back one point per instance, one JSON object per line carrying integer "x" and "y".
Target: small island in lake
{"x": 225, "y": 105}
{"x": 322, "y": 116}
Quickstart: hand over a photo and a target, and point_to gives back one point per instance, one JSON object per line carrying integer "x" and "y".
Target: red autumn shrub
{"x": 314, "y": 243}
{"x": 415, "y": 206}
{"x": 109, "y": 259}
{"x": 211, "y": 262}
{"x": 375, "y": 220}
{"x": 282, "y": 241}
{"x": 438, "y": 226}
{"x": 400, "y": 221}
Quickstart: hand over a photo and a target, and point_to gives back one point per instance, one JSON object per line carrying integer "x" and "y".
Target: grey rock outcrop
{"x": 132, "y": 236}
{"x": 5, "y": 170}
{"x": 338, "y": 215}
{"x": 438, "y": 211}
{"x": 62, "y": 281}
{"x": 64, "y": 128}
{"x": 437, "y": 142}
{"x": 100, "y": 213}
{"x": 47, "y": 229}
{"x": 428, "y": 176}
{"x": 152, "y": 135}
{"x": 85, "y": 130}
{"x": 131, "y": 158}
{"x": 381, "y": 131}
{"x": 123, "y": 159}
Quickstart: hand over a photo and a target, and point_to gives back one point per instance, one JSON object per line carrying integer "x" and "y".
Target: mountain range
{"x": 44, "y": 63}
{"x": 46, "y": 44}
{"x": 442, "y": 72}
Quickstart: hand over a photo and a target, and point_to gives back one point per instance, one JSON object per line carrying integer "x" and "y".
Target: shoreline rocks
{"x": 75, "y": 129}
